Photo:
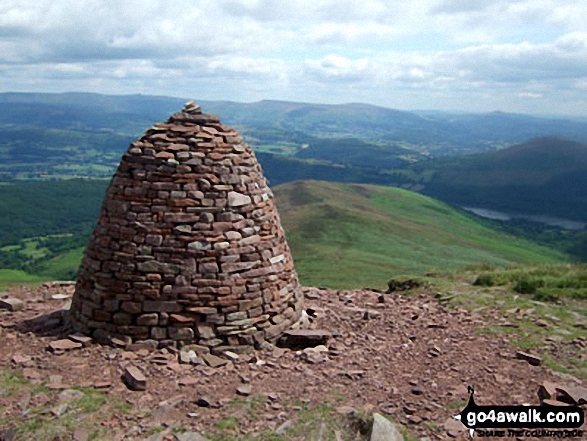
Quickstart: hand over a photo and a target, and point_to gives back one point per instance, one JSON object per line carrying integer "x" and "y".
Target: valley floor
{"x": 410, "y": 357}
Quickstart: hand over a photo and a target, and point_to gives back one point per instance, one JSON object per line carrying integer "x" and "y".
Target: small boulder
{"x": 384, "y": 430}
{"x": 576, "y": 395}
{"x": 134, "y": 379}
{"x": 245, "y": 390}
{"x": 297, "y": 339}
{"x": 190, "y": 436}
{"x": 547, "y": 391}
{"x": 11, "y": 304}
{"x": 63, "y": 345}
{"x": 534, "y": 360}
{"x": 213, "y": 360}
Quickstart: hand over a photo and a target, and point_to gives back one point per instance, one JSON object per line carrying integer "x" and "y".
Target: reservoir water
{"x": 567, "y": 224}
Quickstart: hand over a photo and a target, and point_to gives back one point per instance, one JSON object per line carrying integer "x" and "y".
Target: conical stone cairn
{"x": 188, "y": 246}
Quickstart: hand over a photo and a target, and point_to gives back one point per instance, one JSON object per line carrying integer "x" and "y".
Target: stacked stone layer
{"x": 189, "y": 246}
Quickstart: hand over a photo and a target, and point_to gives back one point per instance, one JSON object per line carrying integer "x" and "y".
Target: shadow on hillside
{"x": 53, "y": 324}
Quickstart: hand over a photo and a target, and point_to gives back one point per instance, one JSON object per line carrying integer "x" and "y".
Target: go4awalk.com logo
{"x": 522, "y": 421}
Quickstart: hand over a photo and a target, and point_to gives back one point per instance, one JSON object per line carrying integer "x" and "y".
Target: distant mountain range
{"x": 437, "y": 132}
{"x": 544, "y": 176}
{"x": 480, "y": 160}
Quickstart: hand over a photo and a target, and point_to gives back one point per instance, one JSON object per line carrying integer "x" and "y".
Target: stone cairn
{"x": 188, "y": 246}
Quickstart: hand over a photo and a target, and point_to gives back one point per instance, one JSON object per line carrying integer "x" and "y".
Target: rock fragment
{"x": 534, "y": 360}
{"x": 213, "y": 360}
{"x": 245, "y": 390}
{"x": 63, "y": 345}
{"x": 572, "y": 394}
{"x": 384, "y": 430}
{"x": 134, "y": 379}
{"x": 11, "y": 304}
{"x": 303, "y": 338}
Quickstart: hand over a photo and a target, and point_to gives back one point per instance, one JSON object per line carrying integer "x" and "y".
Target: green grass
{"x": 227, "y": 423}
{"x": 10, "y": 278}
{"x": 352, "y": 236}
{"x": 497, "y": 296}
{"x": 33, "y": 249}
{"x": 543, "y": 282}
{"x": 342, "y": 236}
{"x": 63, "y": 266}
{"x": 319, "y": 420}
{"x": 85, "y": 412}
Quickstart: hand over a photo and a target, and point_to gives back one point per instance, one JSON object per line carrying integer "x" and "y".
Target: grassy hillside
{"x": 354, "y": 235}
{"x": 545, "y": 176}
{"x": 33, "y": 209}
{"x": 342, "y": 235}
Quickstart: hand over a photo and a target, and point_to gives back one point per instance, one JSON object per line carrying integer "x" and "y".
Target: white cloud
{"x": 430, "y": 53}
{"x": 531, "y": 95}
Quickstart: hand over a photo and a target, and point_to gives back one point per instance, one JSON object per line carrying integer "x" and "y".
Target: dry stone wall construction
{"x": 188, "y": 246}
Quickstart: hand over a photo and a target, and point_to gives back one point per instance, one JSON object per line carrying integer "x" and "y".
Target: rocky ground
{"x": 408, "y": 357}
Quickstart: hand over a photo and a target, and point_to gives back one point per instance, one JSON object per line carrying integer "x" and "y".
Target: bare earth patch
{"x": 408, "y": 357}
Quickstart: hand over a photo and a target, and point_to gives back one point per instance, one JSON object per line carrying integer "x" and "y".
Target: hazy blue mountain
{"x": 546, "y": 176}
{"x": 435, "y": 132}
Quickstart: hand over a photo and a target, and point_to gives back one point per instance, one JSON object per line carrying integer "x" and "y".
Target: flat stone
{"x": 303, "y": 338}
{"x": 143, "y": 346}
{"x": 534, "y": 360}
{"x": 414, "y": 419}
{"x": 182, "y": 319}
{"x": 134, "y": 379}
{"x": 572, "y": 394}
{"x": 542, "y": 323}
{"x": 102, "y": 384}
{"x": 84, "y": 340}
{"x": 119, "y": 343}
{"x": 237, "y": 199}
{"x": 64, "y": 345}
{"x": 370, "y": 314}
{"x": 59, "y": 410}
{"x": 213, "y": 360}
{"x": 181, "y": 334}
{"x": 11, "y": 304}
{"x": 231, "y": 355}
{"x": 245, "y": 390}
{"x": 190, "y": 436}
{"x": 21, "y": 359}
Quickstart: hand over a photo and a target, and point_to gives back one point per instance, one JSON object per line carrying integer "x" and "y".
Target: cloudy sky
{"x": 527, "y": 56}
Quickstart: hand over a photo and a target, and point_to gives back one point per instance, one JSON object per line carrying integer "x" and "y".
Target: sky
{"x": 525, "y": 56}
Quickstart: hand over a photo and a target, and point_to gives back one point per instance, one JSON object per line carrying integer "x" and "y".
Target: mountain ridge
{"x": 544, "y": 176}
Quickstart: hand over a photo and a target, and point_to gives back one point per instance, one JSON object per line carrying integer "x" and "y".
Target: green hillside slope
{"x": 342, "y": 235}
{"x": 354, "y": 235}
